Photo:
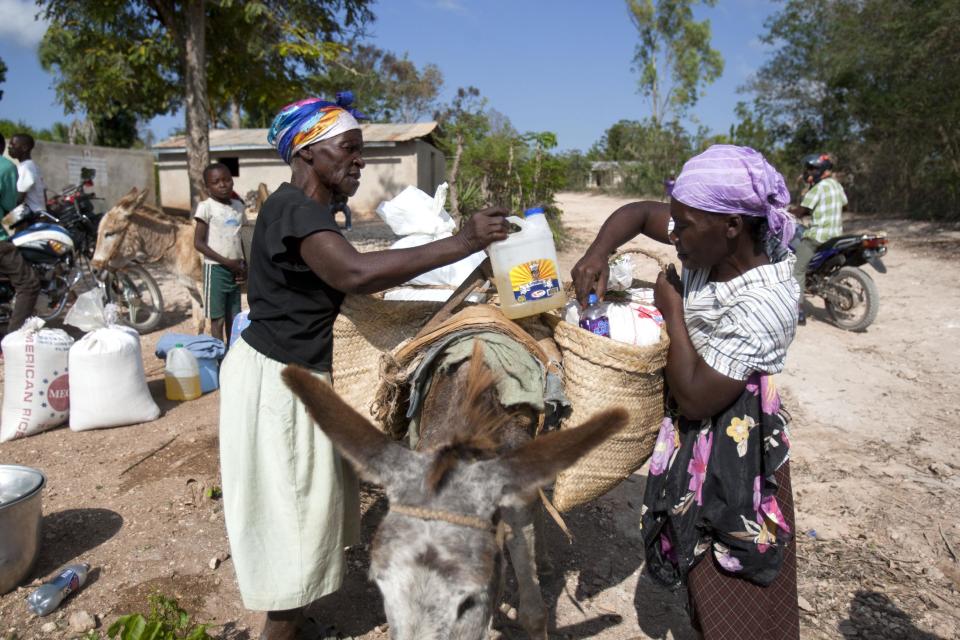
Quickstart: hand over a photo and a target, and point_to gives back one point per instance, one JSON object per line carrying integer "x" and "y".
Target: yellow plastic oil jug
{"x": 181, "y": 376}
{"x": 525, "y": 268}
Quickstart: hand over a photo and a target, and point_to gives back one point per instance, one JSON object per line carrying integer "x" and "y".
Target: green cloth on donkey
{"x": 520, "y": 376}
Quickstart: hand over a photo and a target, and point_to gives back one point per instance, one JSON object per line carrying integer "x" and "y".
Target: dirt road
{"x": 876, "y": 470}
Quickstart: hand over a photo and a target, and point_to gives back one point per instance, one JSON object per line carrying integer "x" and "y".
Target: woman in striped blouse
{"x": 718, "y": 510}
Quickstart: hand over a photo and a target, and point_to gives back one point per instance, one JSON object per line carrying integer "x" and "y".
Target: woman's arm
{"x": 699, "y": 390}
{"x": 339, "y": 264}
{"x": 647, "y": 217}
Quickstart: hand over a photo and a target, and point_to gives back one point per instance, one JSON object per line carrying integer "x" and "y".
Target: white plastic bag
{"x": 414, "y": 211}
{"x": 88, "y": 312}
{"x": 109, "y": 385}
{"x": 36, "y": 385}
{"x": 422, "y": 219}
{"x": 621, "y": 273}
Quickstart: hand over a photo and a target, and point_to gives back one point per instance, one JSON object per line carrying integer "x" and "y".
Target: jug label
{"x": 534, "y": 280}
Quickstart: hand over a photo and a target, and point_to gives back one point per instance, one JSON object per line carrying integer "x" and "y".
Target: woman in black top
{"x": 291, "y": 505}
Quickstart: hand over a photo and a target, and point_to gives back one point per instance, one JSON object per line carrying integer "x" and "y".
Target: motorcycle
{"x": 834, "y": 274}
{"x": 77, "y": 211}
{"x": 60, "y": 251}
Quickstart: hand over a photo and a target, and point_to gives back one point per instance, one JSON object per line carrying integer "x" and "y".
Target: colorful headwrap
{"x": 737, "y": 180}
{"x": 312, "y": 120}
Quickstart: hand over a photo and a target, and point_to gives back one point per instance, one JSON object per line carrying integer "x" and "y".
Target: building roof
{"x": 374, "y": 134}
{"x": 612, "y": 165}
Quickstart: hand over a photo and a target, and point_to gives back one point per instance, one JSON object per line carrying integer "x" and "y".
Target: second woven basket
{"x": 601, "y": 373}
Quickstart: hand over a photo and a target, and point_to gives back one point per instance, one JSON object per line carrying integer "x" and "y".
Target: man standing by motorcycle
{"x": 29, "y": 182}
{"x": 12, "y": 265}
{"x": 824, "y": 202}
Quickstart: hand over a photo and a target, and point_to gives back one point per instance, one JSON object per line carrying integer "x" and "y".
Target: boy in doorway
{"x": 217, "y": 238}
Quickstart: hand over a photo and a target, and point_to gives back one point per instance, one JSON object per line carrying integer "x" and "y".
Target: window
{"x": 232, "y": 163}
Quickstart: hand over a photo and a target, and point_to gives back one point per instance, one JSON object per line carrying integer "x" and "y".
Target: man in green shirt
{"x": 12, "y": 265}
{"x": 8, "y": 185}
{"x": 825, "y": 203}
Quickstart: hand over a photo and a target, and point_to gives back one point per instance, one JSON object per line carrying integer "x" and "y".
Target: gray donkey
{"x": 438, "y": 552}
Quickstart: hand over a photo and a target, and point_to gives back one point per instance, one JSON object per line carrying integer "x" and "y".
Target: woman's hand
{"x": 668, "y": 293}
{"x": 590, "y": 274}
{"x": 483, "y": 227}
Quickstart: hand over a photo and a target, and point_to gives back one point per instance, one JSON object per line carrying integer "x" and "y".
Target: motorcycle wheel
{"x": 860, "y": 309}
{"x": 138, "y": 295}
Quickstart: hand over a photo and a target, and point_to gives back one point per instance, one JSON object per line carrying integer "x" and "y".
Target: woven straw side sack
{"x": 599, "y": 374}
{"x": 367, "y": 327}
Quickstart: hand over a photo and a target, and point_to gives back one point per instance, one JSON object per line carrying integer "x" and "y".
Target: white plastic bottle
{"x": 48, "y": 596}
{"x": 181, "y": 376}
{"x": 525, "y": 268}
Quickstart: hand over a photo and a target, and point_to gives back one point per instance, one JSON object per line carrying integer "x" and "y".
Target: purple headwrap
{"x": 737, "y": 180}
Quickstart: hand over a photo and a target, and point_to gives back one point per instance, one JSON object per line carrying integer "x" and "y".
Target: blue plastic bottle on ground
{"x": 594, "y": 318}
{"x": 49, "y": 595}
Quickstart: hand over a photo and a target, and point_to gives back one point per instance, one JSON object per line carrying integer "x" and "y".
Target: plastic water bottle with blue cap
{"x": 49, "y": 595}
{"x": 594, "y": 318}
{"x": 525, "y": 267}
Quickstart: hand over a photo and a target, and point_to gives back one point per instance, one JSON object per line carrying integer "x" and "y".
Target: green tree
{"x": 576, "y": 170}
{"x": 3, "y": 75}
{"x": 674, "y": 57}
{"x": 387, "y": 87}
{"x": 149, "y": 57}
{"x": 883, "y": 100}
{"x": 58, "y": 132}
{"x": 462, "y": 122}
{"x": 647, "y": 152}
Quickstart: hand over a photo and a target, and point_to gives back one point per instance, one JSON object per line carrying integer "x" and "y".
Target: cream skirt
{"x": 290, "y": 502}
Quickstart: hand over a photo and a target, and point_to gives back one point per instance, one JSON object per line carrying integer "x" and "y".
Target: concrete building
{"x": 117, "y": 169}
{"x": 608, "y": 174}
{"x": 397, "y": 155}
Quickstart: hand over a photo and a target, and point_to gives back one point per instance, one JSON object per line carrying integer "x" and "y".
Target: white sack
{"x": 36, "y": 386}
{"x": 109, "y": 385}
{"x": 422, "y": 219}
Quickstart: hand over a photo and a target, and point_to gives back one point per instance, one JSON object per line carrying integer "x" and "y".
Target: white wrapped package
{"x": 422, "y": 219}
{"x": 631, "y": 323}
{"x": 36, "y": 385}
{"x": 108, "y": 385}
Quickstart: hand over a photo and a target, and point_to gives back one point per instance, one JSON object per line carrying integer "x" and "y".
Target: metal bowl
{"x": 20, "y": 514}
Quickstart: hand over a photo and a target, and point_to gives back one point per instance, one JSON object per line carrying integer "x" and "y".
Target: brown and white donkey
{"x": 437, "y": 554}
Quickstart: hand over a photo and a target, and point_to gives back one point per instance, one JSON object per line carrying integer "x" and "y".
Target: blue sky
{"x": 549, "y": 65}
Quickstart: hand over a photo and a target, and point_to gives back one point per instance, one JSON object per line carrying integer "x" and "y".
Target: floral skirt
{"x": 712, "y": 489}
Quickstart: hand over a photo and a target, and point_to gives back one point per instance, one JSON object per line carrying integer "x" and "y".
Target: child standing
{"x": 217, "y": 238}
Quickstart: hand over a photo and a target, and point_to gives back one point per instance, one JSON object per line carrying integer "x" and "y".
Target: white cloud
{"x": 18, "y": 22}
{"x": 449, "y": 5}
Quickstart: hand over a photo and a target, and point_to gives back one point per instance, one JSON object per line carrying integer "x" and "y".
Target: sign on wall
{"x": 75, "y": 163}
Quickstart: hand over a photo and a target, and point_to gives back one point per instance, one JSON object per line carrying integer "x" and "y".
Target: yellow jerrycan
{"x": 525, "y": 268}
{"x": 181, "y": 376}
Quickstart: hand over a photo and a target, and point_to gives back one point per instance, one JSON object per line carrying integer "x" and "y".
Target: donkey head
{"x": 113, "y": 228}
{"x": 435, "y": 556}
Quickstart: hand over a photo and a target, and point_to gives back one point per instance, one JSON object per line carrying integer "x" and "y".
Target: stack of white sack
{"x": 36, "y": 385}
{"x": 636, "y": 322}
{"x": 420, "y": 219}
{"x": 108, "y": 385}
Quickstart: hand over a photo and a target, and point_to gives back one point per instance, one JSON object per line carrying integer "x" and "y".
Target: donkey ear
{"x": 373, "y": 454}
{"x": 537, "y": 463}
{"x": 141, "y": 197}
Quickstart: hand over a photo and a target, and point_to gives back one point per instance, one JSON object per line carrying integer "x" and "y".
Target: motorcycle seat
{"x": 840, "y": 242}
